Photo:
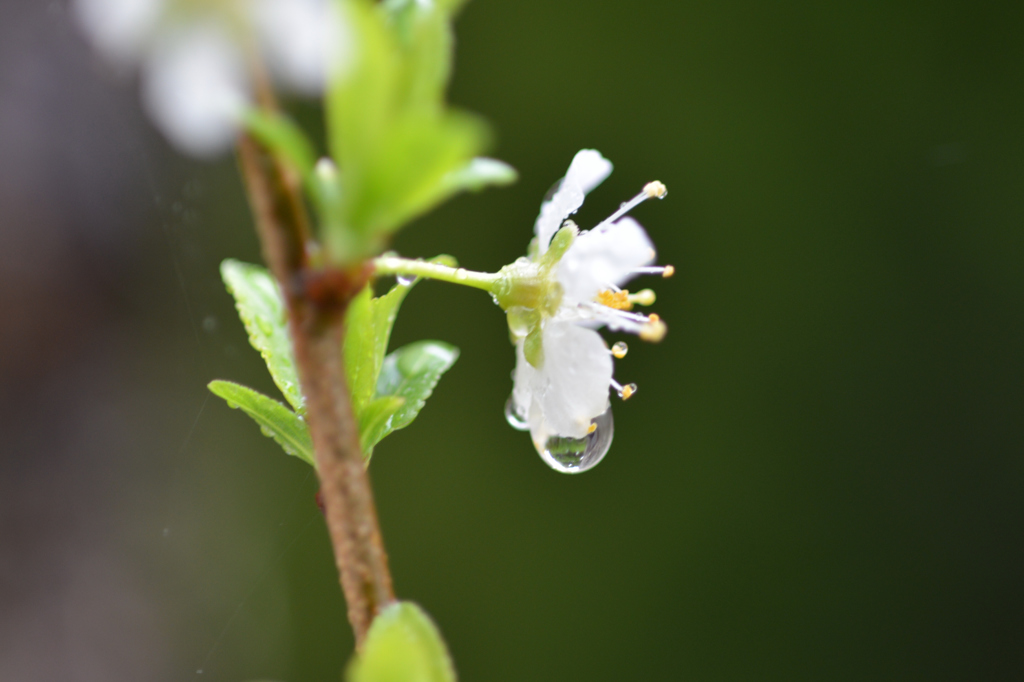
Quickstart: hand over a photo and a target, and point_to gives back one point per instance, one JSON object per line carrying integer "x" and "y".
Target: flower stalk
{"x": 405, "y": 267}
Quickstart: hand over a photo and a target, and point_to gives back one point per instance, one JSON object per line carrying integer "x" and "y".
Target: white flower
{"x": 563, "y": 367}
{"x": 194, "y": 56}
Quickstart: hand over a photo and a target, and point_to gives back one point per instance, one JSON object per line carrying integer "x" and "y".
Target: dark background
{"x": 820, "y": 477}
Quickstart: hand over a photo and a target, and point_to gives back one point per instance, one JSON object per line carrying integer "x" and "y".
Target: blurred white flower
{"x": 563, "y": 367}
{"x": 194, "y": 56}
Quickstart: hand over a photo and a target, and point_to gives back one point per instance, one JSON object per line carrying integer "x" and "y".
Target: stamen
{"x": 665, "y": 271}
{"x": 643, "y": 297}
{"x": 652, "y": 190}
{"x": 620, "y": 349}
{"x": 617, "y": 300}
{"x": 655, "y": 190}
{"x": 625, "y": 392}
{"x": 591, "y": 428}
{"x": 654, "y": 331}
{"x": 647, "y": 327}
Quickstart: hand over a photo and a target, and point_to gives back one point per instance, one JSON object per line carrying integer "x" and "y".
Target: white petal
{"x": 604, "y": 257}
{"x": 118, "y": 28}
{"x": 195, "y": 87}
{"x": 587, "y": 170}
{"x": 570, "y": 389}
{"x": 303, "y": 40}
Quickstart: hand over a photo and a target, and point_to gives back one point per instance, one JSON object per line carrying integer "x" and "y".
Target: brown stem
{"x": 316, "y": 301}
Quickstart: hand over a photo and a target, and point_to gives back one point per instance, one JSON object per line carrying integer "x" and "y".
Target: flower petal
{"x": 587, "y": 170}
{"x": 602, "y": 258}
{"x": 118, "y": 28}
{"x": 571, "y": 387}
{"x": 302, "y": 40}
{"x": 195, "y": 87}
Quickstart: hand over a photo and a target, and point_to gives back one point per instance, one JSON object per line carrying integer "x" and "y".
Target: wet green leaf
{"x": 387, "y": 392}
{"x": 375, "y": 421}
{"x": 403, "y": 645}
{"x": 368, "y": 327}
{"x": 262, "y": 311}
{"x": 275, "y": 420}
{"x": 411, "y": 373}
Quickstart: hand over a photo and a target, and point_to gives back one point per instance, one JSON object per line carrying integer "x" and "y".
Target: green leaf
{"x": 411, "y": 373}
{"x": 403, "y": 645}
{"x": 275, "y": 420}
{"x": 282, "y": 136}
{"x": 368, "y": 326}
{"x": 375, "y": 422}
{"x": 389, "y": 131}
{"x": 479, "y": 173}
{"x": 262, "y": 311}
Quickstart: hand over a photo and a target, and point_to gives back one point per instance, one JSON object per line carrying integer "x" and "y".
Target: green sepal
{"x": 402, "y": 645}
{"x": 275, "y": 420}
{"x": 533, "y": 347}
{"x": 262, "y": 310}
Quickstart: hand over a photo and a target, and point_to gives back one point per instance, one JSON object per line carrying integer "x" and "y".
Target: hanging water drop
{"x": 576, "y": 455}
{"x": 404, "y": 280}
{"x": 513, "y": 418}
{"x": 266, "y": 432}
{"x": 620, "y": 349}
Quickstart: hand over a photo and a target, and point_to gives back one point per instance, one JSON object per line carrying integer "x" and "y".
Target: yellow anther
{"x": 654, "y": 331}
{"x": 643, "y": 297}
{"x": 592, "y": 428}
{"x": 668, "y": 271}
{"x": 655, "y": 190}
{"x": 619, "y": 300}
{"x": 627, "y": 391}
{"x": 654, "y": 317}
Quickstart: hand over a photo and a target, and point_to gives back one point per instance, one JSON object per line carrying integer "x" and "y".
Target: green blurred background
{"x": 821, "y": 477}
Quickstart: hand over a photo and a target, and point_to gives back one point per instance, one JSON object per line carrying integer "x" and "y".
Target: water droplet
{"x": 405, "y": 281}
{"x": 620, "y": 349}
{"x": 209, "y": 324}
{"x": 521, "y": 320}
{"x": 199, "y": 672}
{"x": 461, "y": 274}
{"x": 167, "y": 531}
{"x": 233, "y": 405}
{"x": 513, "y": 418}
{"x": 266, "y": 432}
{"x": 576, "y": 455}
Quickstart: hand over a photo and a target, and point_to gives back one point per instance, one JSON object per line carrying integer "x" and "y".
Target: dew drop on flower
{"x": 404, "y": 281}
{"x": 514, "y": 420}
{"x": 576, "y": 455}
